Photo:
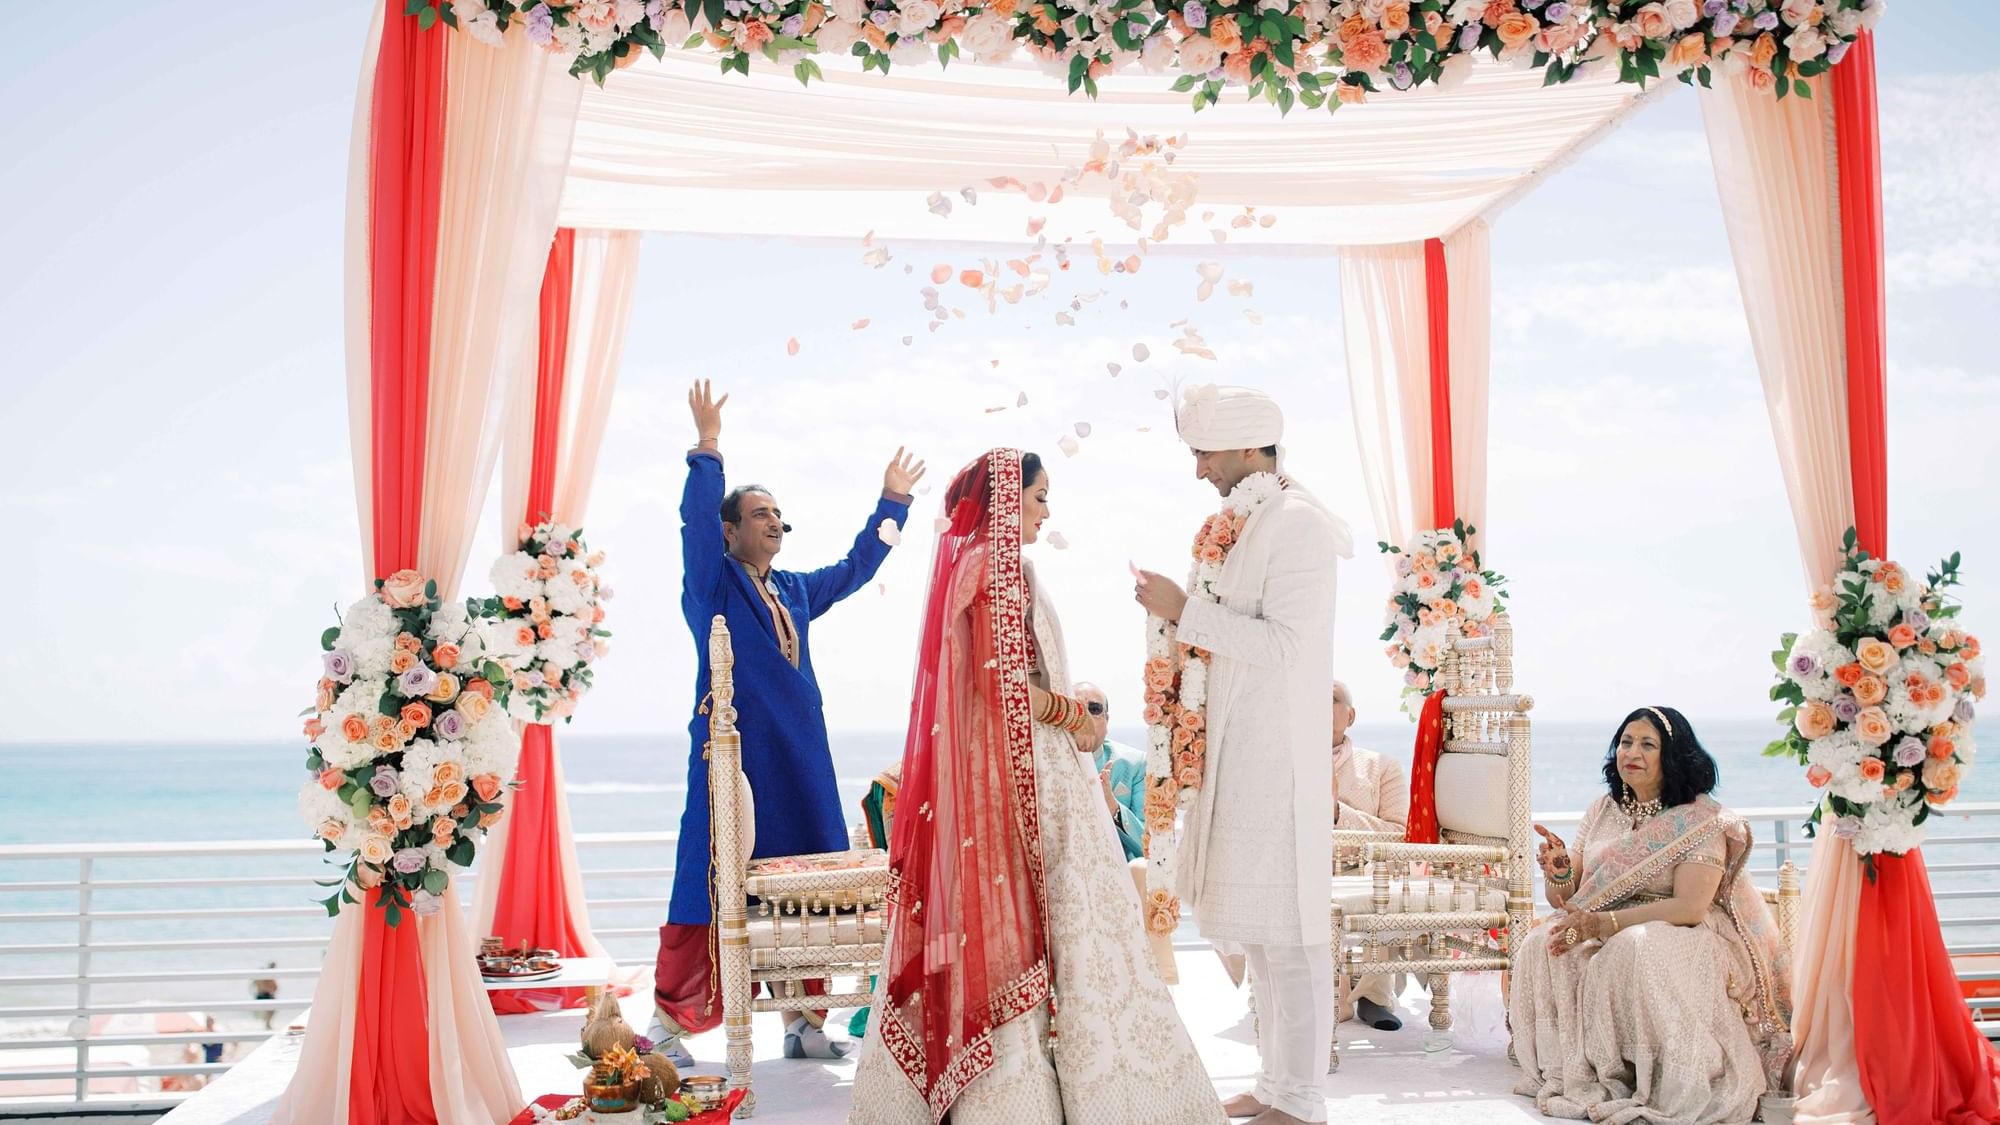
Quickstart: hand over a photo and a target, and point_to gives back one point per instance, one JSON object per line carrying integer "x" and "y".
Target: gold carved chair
{"x": 782, "y": 921}
{"x": 1460, "y": 905}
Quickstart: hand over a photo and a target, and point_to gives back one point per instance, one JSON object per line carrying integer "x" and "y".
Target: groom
{"x": 1258, "y": 855}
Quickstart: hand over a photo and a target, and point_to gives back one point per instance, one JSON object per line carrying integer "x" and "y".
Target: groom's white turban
{"x": 1213, "y": 418}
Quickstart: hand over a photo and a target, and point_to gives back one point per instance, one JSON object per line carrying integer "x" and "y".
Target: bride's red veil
{"x": 967, "y": 950}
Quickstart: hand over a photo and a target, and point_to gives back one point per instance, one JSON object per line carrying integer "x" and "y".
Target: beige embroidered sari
{"x": 1659, "y": 1023}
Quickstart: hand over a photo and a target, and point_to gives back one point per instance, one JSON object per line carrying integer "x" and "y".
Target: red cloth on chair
{"x": 1422, "y": 826}
{"x": 687, "y": 980}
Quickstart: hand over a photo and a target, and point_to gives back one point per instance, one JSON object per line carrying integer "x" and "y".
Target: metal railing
{"x": 97, "y": 938}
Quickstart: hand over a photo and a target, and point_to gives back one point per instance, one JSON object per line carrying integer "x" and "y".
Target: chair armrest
{"x": 1435, "y": 853}
{"x": 1349, "y": 845}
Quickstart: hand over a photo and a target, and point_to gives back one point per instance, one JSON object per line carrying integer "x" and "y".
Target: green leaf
{"x": 427, "y": 19}
{"x": 436, "y": 881}
{"x": 1285, "y": 98}
{"x": 1800, "y": 88}
{"x": 415, "y": 6}
{"x": 1079, "y": 68}
{"x": 1185, "y": 83}
{"x": 693, "y": 41}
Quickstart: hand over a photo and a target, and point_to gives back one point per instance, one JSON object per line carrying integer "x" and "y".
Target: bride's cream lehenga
{"x": 1120, "y": 1053}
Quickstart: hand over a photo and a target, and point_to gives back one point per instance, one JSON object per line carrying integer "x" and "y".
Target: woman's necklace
{"x": 1639, "y": 811}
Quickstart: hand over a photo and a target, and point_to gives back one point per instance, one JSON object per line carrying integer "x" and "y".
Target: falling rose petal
{"x": 994, "y": 362}
{"x": 969, "y": 195}
{"x": 995, "y": 409}
{"x": 1065, "y": 319}
{"x": 1132, "y": 264}
{"x": 1210, "y": 271}
{"x": 907, "y": 340}
{"x": 888, "y": 532}
{"x": 1220, "y": 235}
{"x": 1035, "y": 226}
{"x": 1124, "y": 304}
{"x": 1083, "y": 429}
{"x": 1140, "y": 352}
{"x": 958, "y": 313}
{"x": 1023, "y": 400}
{"x": 971, "y": 279}
{"x": 1114, "y": 368}
{"x": 939, "y": 205}
{"x": 1057, "y": 541}
{"x": 1267, "y": 221}
{"x": 1240, "y": 288}
{"x": 882, "y": 588}
{"x": 1204, "y": 291}
{"x": 792, "y": 346}
{"x": 935, "y": 325}
{"x": 860, "y": 324}
{"x": 1037, "y": 193}
{"x": 1068, "y": 445}
{"x": 907, "y": 268}
{"x": 1208, "y": 216}
{"x": 924, "y": 490}
{"x": 1159, "y": 393}
{"x": 940, "y": 273}
{"x": 868, "y": 239}
{"x": 941, "y": 525}
{"x": 876, "y": 258}
{"x": 1056, "y": 195}
{"x": 1240, "y": 221}
{"x": 1145, "y": 429}
{"x": 1253, "y": 316}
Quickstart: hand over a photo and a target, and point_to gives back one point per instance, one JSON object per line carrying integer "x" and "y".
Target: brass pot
{"x": 707, "y": 1090}
{"x": 622, "y": 1098}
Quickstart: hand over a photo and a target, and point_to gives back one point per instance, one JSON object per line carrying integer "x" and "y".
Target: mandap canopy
{"x": 507, "y": 154}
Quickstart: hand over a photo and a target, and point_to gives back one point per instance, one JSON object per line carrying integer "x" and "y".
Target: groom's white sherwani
{"x": 1259, "y": 856}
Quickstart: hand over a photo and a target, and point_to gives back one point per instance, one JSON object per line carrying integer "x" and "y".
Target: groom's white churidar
{"x": 1258, "y": 852}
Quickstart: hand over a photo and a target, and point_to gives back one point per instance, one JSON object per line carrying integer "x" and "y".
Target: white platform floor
{"x": 1383, "y": 1077}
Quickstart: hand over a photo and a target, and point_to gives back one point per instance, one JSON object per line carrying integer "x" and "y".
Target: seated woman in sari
{"x": 1012, "y": 915}
{"x": 1660, "y": 990}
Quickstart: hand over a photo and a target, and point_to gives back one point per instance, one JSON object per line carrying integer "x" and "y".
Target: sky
{"x": 173, "y": 438}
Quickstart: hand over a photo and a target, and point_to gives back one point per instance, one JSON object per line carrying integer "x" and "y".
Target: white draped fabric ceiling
{"x": 671, "y": 145}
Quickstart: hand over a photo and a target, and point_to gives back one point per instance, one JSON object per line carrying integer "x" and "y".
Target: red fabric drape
{"x": 532, "y": 905}
{"x": 1437, "y": 303}
{"x": 1920, "y": 1058}
{"x": 390, "y": 1079}
{"x": 1422, "y": 826}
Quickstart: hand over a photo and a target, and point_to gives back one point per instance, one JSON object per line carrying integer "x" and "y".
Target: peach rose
{"x": 445, "y": 690}
{"x": 545, "y": 565}
{"x": 405, "y": 730}
{"x": 488, "y": 786}
{"x": 473, "y": 706}
{"x": 1366, "y": 52}
{"x": 367, "y": 877}
{"x": 1183, "y": 737}
{"x": 524, "y": 636}
{"x": 408, "y": 642}
{"x": 448, "y": 772}
{"x": 1350, "y": 93}
{"x": 386, "y": 740}
{"x": 479, "y": 687}
{"x": 1209, "y": 552}
{"x": 1904, "y": 779}
{"x": 511, "y": 603}
{"x": 376, "y": 849}
{"x": 1152, "y": 715}
{"x": 379, "y": 821}
{"x": 1761, "y": 79}
{"x": 323, "y": 698}
{"x": 330, "y": 780}
{"x": 404, "y": 590}
{"x": 1870, "y": 690}
{"x": 1688, "y": 50}
{"x": 1849, "y": 674}
{"x": 1516, "y": 29}
{"x": 399, "y": 810}
{"x": 402, "y": 662}
{"x": 488, "y": 820}
{"x": 1892, "y": 578}
{"x": 1873, "y": 769}
{"x": 1189, "y": 720}
{"x": 1223, "y": 32}
{"x": 1814, "y": 720}
{"x": 1941, "y": 747}
{"x": 454, "y": 793}
{"x": 314, "y": 727}
{"x": 815, "y": 14}
{"x": 1395, "y": 18}
{"x": 1958, "y": 675}
{"x": 1005, "y": 8}
{"x": 1495, "y": 10}
{"x": 330, "y": 830}
{"x": 1873, "y": 727}
{"x": 443, "y": 828}
{"x": 1875, "y": 656}
{"x": 1818, "y": 776}
{"x": 1652, "y": 21}
{"x": 1970, "y": 649}
{"x": 1940, "y": 774}
{"x": 415, "y": 713}
{"x": 1763, "y": 50}
{"x": 1902, "y": 636}
{"x": 354, "y": 728}
{"x": 1944, "y": 798}
{"x": 446, "y": 655}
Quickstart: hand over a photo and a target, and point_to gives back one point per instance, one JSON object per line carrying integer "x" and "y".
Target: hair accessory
{"x": 1663, "y": 720}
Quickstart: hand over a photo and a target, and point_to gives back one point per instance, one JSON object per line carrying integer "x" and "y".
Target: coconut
{"x": 658, "y": 1077}
{"x": 606, "y": 1028}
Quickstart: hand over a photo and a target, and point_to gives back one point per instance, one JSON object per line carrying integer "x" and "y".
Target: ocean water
{"x": 171, "y": 792}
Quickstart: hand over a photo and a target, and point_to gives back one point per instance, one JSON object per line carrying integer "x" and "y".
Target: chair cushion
{"x": 1472, "y": 794}
{"x": 1355, "y": 894}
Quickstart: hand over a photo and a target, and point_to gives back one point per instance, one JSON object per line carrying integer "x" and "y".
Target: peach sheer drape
{"x": 1384, "y": 313}
{"x": 606, "y": 266}
{"x": 1773, "y": 165}
{"x": 509, "y": 115}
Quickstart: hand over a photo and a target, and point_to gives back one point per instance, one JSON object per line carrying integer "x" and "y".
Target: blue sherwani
{"x": 778, "y": 710}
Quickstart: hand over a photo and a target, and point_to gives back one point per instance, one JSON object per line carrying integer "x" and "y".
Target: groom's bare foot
{"x": 1276, "y": 1117}
{"x": 1244, "y": 1105}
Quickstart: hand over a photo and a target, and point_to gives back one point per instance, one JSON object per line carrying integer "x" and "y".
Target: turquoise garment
{"x": 1128, "y": 788}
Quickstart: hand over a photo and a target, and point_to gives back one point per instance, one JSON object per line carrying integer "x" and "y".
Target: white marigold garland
{"x": 1177, "y": 701}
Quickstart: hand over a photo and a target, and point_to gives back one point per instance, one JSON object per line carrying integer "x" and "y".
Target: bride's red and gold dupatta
{"x": 1622, "y": 868}
{"x": 968, "y": 948}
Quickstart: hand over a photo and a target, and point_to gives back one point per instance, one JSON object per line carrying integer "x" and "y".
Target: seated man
{"x": 1370, "y": 794}
{"x": 1121, "y": 771}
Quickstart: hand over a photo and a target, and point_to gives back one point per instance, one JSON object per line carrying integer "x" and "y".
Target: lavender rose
{"x": 1847, "y": 827}
{"x": 1765, "y": 21}
{"x": 449, "y": 724}
{"x": 1803, "y": 664}
{"x": 425, "y": 904}
{"x": 1964, "y": 712}
{"x": 338, "y": 665}
{"x": 1917, "y": 619}
{"x": 409, "y": 861}
{"x": 385, "y": 782}
{"x": 1846, "y": 707}
{"x": 1196, "y": 14}
{"x": 1557, "y": 13}
{"x": 541, "y": 24}
{"x": 418, "y": 681}
{"x": 1909, "y": 752}
{"x": 1469, "y": 38}
{"x": 1837, "y": 52}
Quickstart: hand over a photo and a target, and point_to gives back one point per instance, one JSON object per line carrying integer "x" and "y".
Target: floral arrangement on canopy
{"x": 1323, "y": 53}
{"x": 1879, "y": 700}
{"x": 1177, "y": 700}
{"x": 411, "y": 746}
{"x": 1439, "y": 585}
{"x": 549, "y": 614}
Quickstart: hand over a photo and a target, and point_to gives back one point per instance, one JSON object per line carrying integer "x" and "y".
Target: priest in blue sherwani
{"x": 729, "y": 539}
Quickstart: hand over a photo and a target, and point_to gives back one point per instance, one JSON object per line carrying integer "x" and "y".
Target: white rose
{"x": 558, "y": 652}
{"x": 1157, "y": 54}
{"x": 1199, "y": 55}
{"x": 1871, "y": 12}
{"x": 628, "y": 13}
{"x": 834, "y": 37}
{"x": 1804, "y": 45}
{"x": 1797, "y": 12}
{"x": 911, "y": 49}
{"x": 987, "y": 36}
{"x": 850, "y": 11}
{"x": 1846, "y": 23}
{"x": 916, "y": 16}
{"x": 1682, "y": 13}
{"x": 674, "y": 27}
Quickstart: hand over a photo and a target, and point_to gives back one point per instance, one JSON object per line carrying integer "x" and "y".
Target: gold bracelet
{"x": 1614, "y": 921}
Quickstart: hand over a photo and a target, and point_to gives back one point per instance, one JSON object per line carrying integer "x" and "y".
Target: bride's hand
{"x": 1038, "y": 700}
{"x": 1553, "y": 856}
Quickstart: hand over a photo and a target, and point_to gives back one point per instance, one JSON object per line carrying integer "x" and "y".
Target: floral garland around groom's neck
{"x": 1177, "y": 699}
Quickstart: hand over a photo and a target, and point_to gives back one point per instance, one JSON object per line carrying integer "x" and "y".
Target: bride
{"x": 1017, "y": 986}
